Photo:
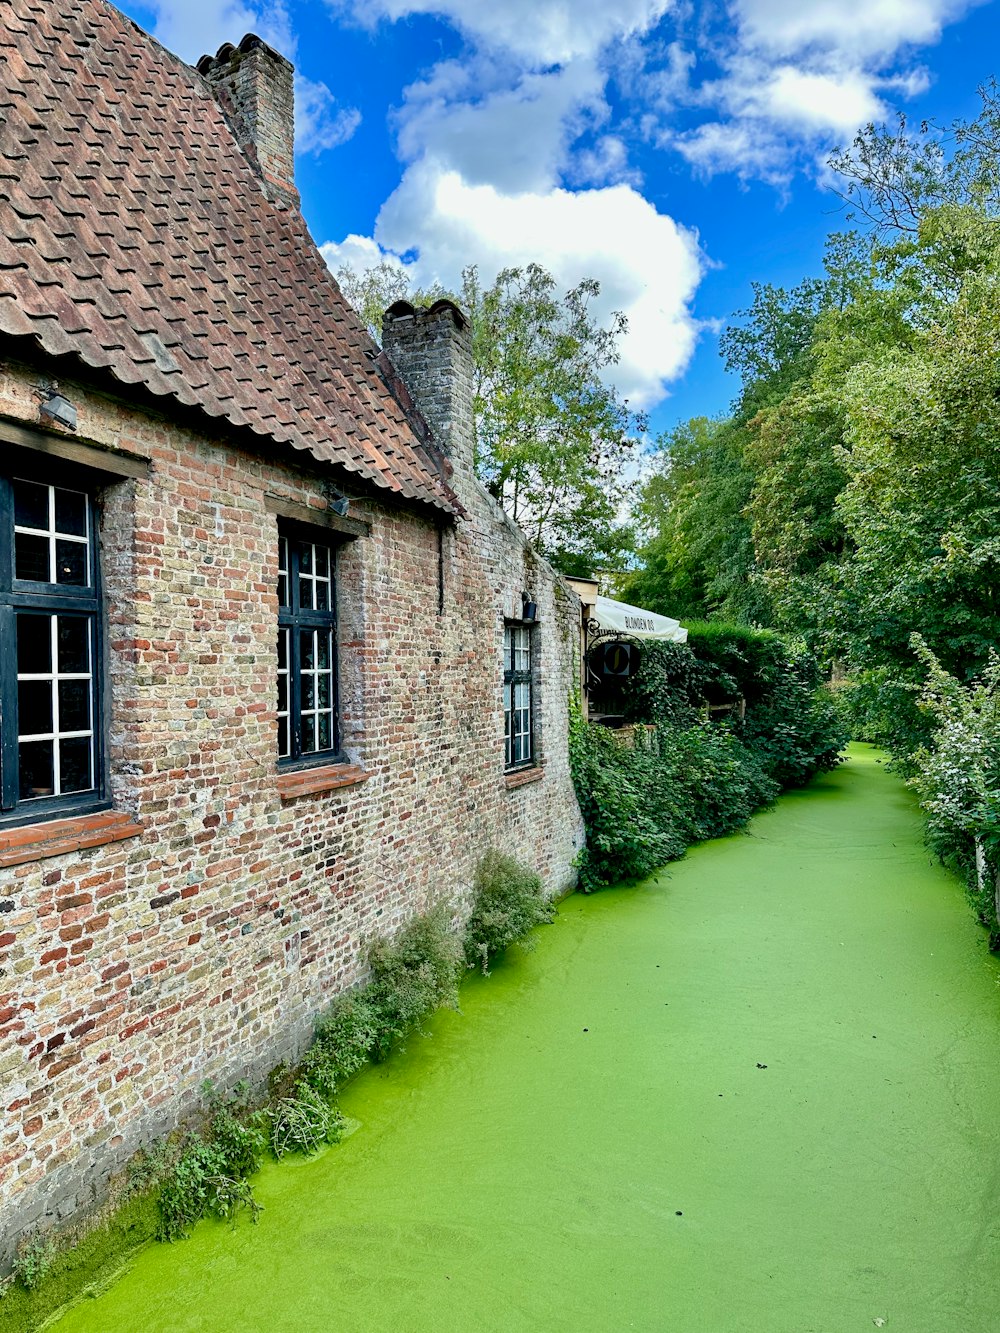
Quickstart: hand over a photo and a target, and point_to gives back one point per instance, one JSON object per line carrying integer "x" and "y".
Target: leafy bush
{"x": 211, "y": 1175}
{"x": 508, "y": 901}
{"x": 669, "y": 686}
{"x": 957, "y": 776}
{"x": 303, "y": 1122}
{"x": 411, "y": 976}
{"x": 35, "y": 1257}
{"x": 646, "y": 798}
{"x": 343, "y": 1042}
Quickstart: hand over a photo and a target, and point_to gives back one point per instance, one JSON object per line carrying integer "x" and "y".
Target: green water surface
{"x": 757, "y": 1094}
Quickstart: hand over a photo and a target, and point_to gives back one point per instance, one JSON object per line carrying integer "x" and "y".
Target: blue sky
{"x": 675, "y": 151}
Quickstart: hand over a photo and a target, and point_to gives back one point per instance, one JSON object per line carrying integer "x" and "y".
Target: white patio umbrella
{"x": 613, "y": 617}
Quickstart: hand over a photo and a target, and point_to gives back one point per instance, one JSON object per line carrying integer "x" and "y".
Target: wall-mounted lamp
{"x": 58, "y": 408}
{"x": 528, "y": 609}
{"x": 339, "y": 504}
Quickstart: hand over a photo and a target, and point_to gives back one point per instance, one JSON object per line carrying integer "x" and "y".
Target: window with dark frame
{"x": 51, "y": 759}
{"x": 308, "y": 721}
{"x": 519, "y": 747}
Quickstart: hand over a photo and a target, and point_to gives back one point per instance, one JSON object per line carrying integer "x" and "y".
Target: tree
{"x": 553, "y": 437}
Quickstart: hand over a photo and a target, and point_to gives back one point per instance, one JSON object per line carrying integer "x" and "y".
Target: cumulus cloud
{"x": 539, "y": 32}
{"x": 792, "y": 80}
{"x": 647, "y": 264}
{"x": 193, "y": 28}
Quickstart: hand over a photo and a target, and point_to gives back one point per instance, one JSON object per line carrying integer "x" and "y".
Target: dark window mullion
{"x": 8, "y": 710}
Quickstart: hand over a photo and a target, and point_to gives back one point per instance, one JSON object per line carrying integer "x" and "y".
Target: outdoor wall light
{"x": 528, "y": 609}
{"x": 339, "y": 504}
{"x": 58, "y": 408}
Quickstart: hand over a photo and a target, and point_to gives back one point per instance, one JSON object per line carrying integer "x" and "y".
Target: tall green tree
{"x": 554, "y": 439}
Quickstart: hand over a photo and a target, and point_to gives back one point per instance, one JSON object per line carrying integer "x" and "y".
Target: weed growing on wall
{"x": 508, "y": 902}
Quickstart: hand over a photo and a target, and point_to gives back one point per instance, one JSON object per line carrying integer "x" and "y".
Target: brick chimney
{"x": 254, "y": 86}
{"x": 431, "y": 351}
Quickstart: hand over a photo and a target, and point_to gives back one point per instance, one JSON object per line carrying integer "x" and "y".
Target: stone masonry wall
{"x": 206, "y": 946}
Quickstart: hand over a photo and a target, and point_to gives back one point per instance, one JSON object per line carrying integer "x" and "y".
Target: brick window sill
{"x": 523, "y": 777}
{"x": 34, "y": 842}
{"x": 309, "y": 781}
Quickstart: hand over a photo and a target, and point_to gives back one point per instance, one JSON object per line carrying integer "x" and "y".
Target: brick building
{"x": 269, "y": 678}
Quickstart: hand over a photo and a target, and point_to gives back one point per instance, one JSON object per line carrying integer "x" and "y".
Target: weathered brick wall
{"x": 205, "y": 947}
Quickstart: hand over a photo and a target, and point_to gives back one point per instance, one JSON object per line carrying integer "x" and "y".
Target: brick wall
{"x": 205, "y": 946}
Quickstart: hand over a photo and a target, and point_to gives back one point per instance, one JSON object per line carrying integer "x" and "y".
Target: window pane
{"x": 305, "y": 557}
{"x": 71, "y": 562}
{"x": 322, "y": 557}
{"x": 308, "y": 734}
{"x": 34, "y": 645}
{"x": 308, "y": 691}
{"x": 35, "y": 770}
{"x": 284, "y": 749}
{"x": 74, "y": 705}
{"x": 283, "y": 651}
{"x": 282, "y": 694}
{"x": 305, "y": 593}
{"x": 71, "y": 513}
{"x": 325, "y": 649}
{"x": 73, "y": 644}
{"x": 283, "y": 571}
{"x": 307, "y": 650}
{"x": 31, "y": 558}
{"x": 74, "y": 764}
{"x": 322, "y": 596}
{"x": 34, "y": 707}
{"x": 325, "y": 685}
{"x": 31, "y": 505}
{"x": 325, "y": 732}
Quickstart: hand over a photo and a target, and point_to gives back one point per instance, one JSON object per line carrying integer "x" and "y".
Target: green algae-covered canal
{"x": 758, "y": 1094}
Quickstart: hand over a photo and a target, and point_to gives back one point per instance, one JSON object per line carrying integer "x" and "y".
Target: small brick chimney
{"x": 432, "y": 353}
{"x": 254, "y": 86}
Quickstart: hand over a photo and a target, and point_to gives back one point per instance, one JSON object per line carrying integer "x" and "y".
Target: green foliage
{"x": 669, "y": 686}
{"x": 303, "y": 1122}
{"x": 508, "y": 902}
{"x": 210, "y": 1177}
{"x": 957, "y": 775}
{"x": 344, "y": 1039}
{"x": 412, "y": 974}
{"x": 35, "y": 1258}
{"x": 553, "y": 438}
{"x": 646, "y": 799}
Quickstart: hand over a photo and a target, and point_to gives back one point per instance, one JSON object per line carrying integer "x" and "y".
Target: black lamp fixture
{"x": 60, "y": 409}
{"x": 528, "y": 609}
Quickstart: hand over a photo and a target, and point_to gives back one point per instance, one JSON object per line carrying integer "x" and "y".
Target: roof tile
{"x": 137, "y": 236}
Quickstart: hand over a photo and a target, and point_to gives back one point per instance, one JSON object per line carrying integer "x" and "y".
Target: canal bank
{"x": 754, "y": 1094}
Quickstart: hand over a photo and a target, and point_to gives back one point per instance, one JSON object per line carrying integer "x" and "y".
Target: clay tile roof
{"x": 135, "y": 235}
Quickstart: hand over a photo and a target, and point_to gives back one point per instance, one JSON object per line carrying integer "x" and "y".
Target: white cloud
{"x": 193, "y": 28}
{"x": 540, "y": 32}
{"x": 647, "y": 265}
{"x": 858, "y": 29}
{"x": 319, "y": 122}
{"x": 497, "y": 124}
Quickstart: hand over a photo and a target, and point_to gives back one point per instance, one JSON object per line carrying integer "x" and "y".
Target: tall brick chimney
{"x": 432, "y": 353}
{"x": 254, "y": 86}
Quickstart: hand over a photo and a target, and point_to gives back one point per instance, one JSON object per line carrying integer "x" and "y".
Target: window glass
{"x": 517, "y": 696}
{"x": 50, "y": 636}
{"x": 307, "y": 687}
